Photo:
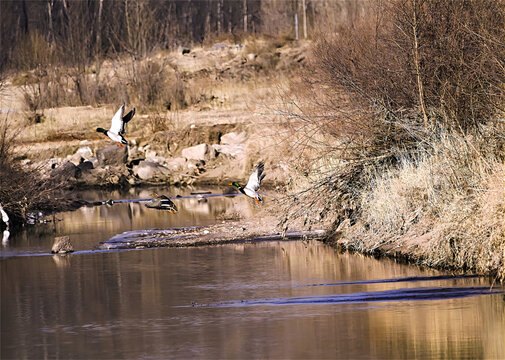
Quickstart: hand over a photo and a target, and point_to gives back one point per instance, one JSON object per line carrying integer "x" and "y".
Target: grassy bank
{"x": 444, "y": 209}
{"x": 399, "y": 129}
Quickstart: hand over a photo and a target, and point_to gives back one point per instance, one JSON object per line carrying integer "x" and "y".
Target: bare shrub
{"x": 158, "y": 122}
{"x": 22, "y": 190}
{"x": 446, "y": 58}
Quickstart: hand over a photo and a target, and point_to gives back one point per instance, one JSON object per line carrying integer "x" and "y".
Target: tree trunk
{"x": 416, "y": 62}
{"x": 25, "y": 18}
{"x": 245, "y": 16}
{"x": 207, "y": 21}
{"x": 99, "y": 27}
{"x": 304, "y": 9}
{"x": 229, "y": 18}
{"x": 50, "y": 35}
{"x": 219, "y": 20}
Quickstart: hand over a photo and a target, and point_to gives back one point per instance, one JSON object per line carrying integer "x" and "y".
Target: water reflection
{"x": 132, "y": 304}
{"x": 89, "y": 226}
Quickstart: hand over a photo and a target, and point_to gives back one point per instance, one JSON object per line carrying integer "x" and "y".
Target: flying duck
{"x": 253, "y": 185}
{"x": 161, "y": 202}
{"x": 117, "y": 128}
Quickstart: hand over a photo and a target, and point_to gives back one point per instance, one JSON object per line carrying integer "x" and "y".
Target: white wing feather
{"x": 255, "y": 179}
{"x": 117, "y": 121}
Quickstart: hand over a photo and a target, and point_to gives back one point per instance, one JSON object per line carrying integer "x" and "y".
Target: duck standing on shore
{"x": 161, "y": 202}
{"x": 253, "y": 185}
{"x": 117, "y": 128}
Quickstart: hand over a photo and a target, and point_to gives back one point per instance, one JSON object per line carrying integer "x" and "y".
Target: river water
{"x": 280, "y": 300}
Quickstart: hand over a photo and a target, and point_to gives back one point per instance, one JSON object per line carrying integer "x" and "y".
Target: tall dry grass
{"x": 400, "y": 128}
{"x": 454, "y": 193}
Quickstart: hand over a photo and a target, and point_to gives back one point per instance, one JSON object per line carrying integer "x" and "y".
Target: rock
{"x": 94, "y": 161}
{"x": 85, "y": 166}
{"x": 251, "y": 56}
{"x": 147, "y": 170}
{"x": 235, "y": 150}
{"x": 133, "y": 152}
{"x": 85, "y": 143}
{"x": 199, "y": 152}
{"x": 176, "y": 164}
{"x": 150, "y": 154}
{"x": 112, "y": 155}
{"x": 62, "y": 245}
{"x": 85, "y": 152}
{"x": 233, "y": 138}
{"x": 65, "y": 171}
{"x": 75, "y": 159}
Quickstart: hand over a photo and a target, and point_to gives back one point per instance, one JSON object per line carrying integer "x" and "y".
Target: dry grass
{"x": 455, "y": 194}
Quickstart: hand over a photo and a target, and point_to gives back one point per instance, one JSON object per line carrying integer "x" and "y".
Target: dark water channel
{"x": 280, "y": 300}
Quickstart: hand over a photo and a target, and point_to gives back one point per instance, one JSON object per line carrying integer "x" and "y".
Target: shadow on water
{"x": 406, "y": 279}
{"x": 415, "y": 294}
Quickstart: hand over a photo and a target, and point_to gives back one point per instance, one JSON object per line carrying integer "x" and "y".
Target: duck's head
{"x": 236, "y": 184}
{"x": 101, "y": 130}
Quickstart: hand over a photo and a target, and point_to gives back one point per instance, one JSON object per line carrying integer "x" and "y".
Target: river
{"x": 280, "y": 300}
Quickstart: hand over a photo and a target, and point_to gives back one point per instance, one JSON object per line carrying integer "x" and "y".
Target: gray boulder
{"x": 85, "y": 166}
{"x": 199, "y": 152}
{"x": 146, "y": 170}
{"x": 112, "y": 155}
{"x": 65, "y": 171}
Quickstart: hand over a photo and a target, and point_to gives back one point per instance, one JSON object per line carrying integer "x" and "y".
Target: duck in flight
{"x": 161, "y": 202}
{"x": 117, "y": 128}
{"x": 253, "y": 185}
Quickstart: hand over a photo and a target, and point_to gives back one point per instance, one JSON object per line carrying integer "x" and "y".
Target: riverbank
{"x": 231, "y": 120}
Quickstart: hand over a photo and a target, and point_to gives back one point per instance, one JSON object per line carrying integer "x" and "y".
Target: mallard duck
{"x": 161, "y": 202}
{"x": 253, "y": 185}
{"x": 117, "y": 127}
